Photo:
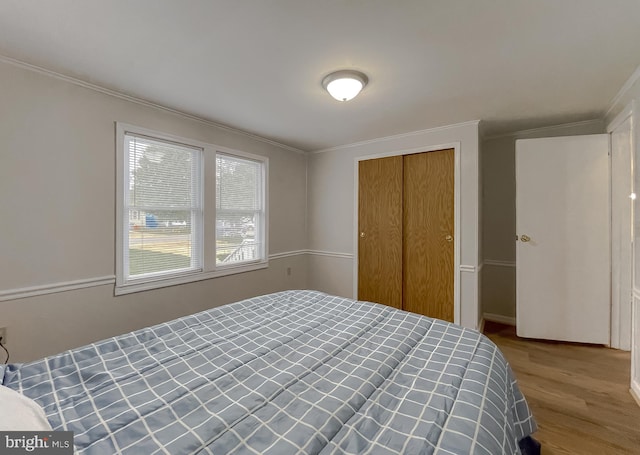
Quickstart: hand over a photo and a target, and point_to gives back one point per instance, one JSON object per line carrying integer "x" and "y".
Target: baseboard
{"x": 481, "y": 325}
{"x": 635, "y": 391}
{"x": 509, "y": 320}
{"x": 494, "y": 263}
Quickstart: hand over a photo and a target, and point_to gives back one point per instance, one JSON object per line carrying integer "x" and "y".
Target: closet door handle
{"x": 449, "y": 238}
{"x": 362, "y": 235}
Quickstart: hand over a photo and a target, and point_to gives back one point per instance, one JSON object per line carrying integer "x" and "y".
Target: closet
{"x": 406, "y": 227}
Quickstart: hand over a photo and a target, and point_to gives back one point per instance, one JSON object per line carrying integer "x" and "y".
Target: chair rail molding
{"x": 53, "y": 288}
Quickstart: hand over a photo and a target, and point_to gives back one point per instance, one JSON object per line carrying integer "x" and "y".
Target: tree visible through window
{"x": 164, "y": 207}
{"x": 178, "y": 219}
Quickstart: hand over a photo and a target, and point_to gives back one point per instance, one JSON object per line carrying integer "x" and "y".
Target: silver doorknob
{"x": 525, "y": 238}
{"x": 449, "y": 238}
{"x": 362, "y": 234}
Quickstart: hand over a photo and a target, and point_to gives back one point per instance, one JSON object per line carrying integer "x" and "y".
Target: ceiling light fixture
{"x": 345, "y": 85}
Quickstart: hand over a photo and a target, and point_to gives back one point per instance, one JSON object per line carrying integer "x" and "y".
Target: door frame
{"x": 456, "y": 214}
{"x": 622, "y": 339}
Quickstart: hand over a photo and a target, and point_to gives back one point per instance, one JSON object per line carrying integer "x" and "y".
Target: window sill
{"x": 159, "y": 282}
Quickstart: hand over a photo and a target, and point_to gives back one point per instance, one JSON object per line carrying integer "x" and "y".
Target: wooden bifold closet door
{"x": 406, "y": 226}
{"x": 380, "y": 227}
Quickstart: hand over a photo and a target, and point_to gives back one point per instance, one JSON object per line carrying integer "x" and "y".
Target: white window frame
{"x": 207, "y": 230}
{"x": 262, "y": 216}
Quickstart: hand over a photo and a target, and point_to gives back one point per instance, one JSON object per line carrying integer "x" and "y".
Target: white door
{"x": 563, "y": 252}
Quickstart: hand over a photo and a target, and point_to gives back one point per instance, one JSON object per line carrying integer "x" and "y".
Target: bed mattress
{"x": 290, "y": 372}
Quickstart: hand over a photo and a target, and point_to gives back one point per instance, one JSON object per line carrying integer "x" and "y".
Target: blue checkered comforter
{"x": 291, "y": 372}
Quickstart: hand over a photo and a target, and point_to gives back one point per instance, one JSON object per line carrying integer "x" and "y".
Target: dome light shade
{"x": 345, "y": 85}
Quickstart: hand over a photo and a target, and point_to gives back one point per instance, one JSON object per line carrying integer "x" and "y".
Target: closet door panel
{"x": 428, "y": 228}
{"x": 380, "y": 231}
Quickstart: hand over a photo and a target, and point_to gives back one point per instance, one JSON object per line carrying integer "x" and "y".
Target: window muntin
{"x": 186, "y": 210}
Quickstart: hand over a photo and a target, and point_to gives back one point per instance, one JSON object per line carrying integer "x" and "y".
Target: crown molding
{"x": 623, "y": 115}
{"x": 397, "y": 136}
{"x": 542, "y": 129}
{"x": 635, "y": 76}
{"x": 143, "y": 102}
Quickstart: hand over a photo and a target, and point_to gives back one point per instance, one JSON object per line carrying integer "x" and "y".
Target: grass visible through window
{"x": 161, "y": 257}
{"x": 146, "y": 261}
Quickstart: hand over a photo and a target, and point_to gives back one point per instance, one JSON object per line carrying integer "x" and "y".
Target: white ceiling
{"x": 257, "y": 65}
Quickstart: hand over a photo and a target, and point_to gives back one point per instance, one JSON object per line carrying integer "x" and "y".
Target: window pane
{"x": 236, "y": 238}
{"x": 239, "y": 210}
{"x": 163, "y": 208}
{"x": 159, "y": 243}
{"x": 238, "y": 183}
{"x": 162, "y": 174}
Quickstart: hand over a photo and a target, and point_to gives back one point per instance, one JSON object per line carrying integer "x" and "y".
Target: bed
{"x": 290, "y": 372}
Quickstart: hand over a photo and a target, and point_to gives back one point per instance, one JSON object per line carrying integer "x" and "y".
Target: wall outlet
{"x": 3, "y": 334}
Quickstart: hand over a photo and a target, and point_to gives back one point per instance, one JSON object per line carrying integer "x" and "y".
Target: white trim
{"x": 508, "y": 320}
{"x": 287, "y": 254}
{"x": 143, "y": 102}
{"x": 121, "y": 191}
{"x": 623, "y": 90}
{"x": 495, "y": 263}
{"x": 396, "y": 137}
{"x": 205, "y": 232}
{"x": 54, "y": 288}
{"x": 635, "y": 391}
{"x": 456, "y": 146}
{"x": 65, "y": 286}
{"x": 544, "y": 129}
{"x": 621, "y": 309}
{"x": 161, "y": 282}
{"x": 330, "y": 254}
{"x": 481, "y": 325}
{"x": 621, "y": 117}
{"x": 635, "y": 345}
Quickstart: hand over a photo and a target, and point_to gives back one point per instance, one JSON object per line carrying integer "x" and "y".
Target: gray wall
{"x": 499, "y": 215}
{"x": 57, "y": 206}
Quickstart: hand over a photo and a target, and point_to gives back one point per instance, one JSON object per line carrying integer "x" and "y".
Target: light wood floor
{"x": 579, "y": 394}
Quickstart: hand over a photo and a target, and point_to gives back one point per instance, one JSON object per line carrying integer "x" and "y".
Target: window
{"x": 239, "y": 212}
{"x": 162, "y": 204}
{"x": 186, "y": 210}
